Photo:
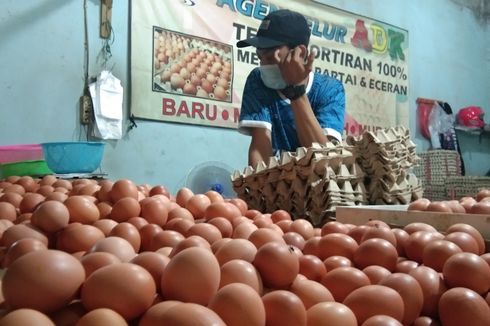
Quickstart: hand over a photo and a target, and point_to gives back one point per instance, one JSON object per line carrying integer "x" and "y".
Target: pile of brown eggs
{"x": 98, "y": 252}
{"x": 480, "y": 204}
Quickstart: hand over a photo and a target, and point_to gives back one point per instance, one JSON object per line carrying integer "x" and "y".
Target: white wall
{"x": 41, "y": 80}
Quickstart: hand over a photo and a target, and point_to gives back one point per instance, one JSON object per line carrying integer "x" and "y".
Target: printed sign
{"x": 186, "y": 68}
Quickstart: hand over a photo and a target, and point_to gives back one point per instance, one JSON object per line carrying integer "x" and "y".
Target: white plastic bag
{"x": 107, "y": 97}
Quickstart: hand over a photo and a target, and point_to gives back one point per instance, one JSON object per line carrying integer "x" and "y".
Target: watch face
{"x": 294, "y": 91}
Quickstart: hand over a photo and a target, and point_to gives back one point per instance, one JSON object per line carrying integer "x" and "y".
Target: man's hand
{"x": 293, "y": 67}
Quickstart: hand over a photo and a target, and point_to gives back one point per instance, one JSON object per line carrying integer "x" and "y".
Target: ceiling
{"x": 480, "y": 8}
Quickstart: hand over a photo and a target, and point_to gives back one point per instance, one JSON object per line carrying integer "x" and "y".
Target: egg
{"x": 401, "y": 239}
{"x": 376, "y": 251}
{"x": 8, "y": 211}
{"x": 78, "y": 237}
{"x": 432, "y": 288}
{"x": 312, "y": 267}
{"x": 241, "y": 271}
{"x": 154, "y": 211}
{"x": 425, "y": 321}
{"x": 128, "y": 232}
{"x": 263, "y": 236}
{"x": 92, "y": 261}
{"x": 334, "y": 227}
{"x": 277, "y": 264}
{"x": 236, "y": 249}
{"x": 180, "y": 212}
{"x": 437, "y": 252}
{"x": 376, "y": 232}
{"x": 123, "y": 188}
{"x": 105, "y": 225}
{"x": 483, "y": 193}
{"x": 418, "y": 226}
{"x": 153, "y": 315}
{"x": 439, "y": 206}
{"x": 376, "y": 273}
{"x": 372, "y": 300}
{"x": 82, "y": 209}
{"x": 205, "y": 230}
{"x": 30, "y": 202}
{"x": 165, "y": 238}
{"x": 416, "y": 242}
{"x": 310, "y": 292}
{"x": 26, "y": 317}
{"x": 460, "y": 306}
{"x": 68, "y": 315}
{"x": 411, "y": 293}
{"x": 460, "y": 266}
{"x": 481, "y": 207}
{"x": 330, "y": 313}
{"x": 198, "y": 204}
{"x": 189, "y": 314}
{"x": 471, "y": 230}
{"x": 240, "y": 203}
{"x": 284, "y": 308}
{"x": 302, "y": 227}
{"x": 463, "y": 240}
{"x": 154, "y": 263}
{"x": 343, "y": 280}
{"x": 191, "y": 241}
{"x": 179, "y": 281}
{"x": 124, "y": 209}
{"x": 216, "y": 209}
{"x": 126, "y": 288}
{"x": 183, "y": 195}
{"x": 102, "y": 317}
{"x": 238, "y": 304}
{"x": 55, "y": 283}
{"x": 21, "y": 231}
{"x": 224, "y": 226}
{"x": 20, "y": 248}
{"x": 51, "y": 216}
{"x": 119, "y": 247}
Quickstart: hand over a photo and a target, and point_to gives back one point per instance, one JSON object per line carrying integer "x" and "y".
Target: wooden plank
{"x": 398, "y": 216}
{"x": 105, "y": 18}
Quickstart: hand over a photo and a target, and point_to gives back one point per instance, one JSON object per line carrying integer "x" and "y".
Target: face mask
{"x": 271, "y": 76}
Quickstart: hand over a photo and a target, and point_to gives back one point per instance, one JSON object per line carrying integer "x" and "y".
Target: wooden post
{"x": 105, "y": 18}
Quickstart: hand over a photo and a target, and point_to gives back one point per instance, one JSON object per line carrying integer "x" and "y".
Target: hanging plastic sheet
{"x": 107, "y": 97}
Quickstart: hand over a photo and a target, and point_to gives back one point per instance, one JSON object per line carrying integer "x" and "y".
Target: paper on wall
{"x": 107, "y": 97}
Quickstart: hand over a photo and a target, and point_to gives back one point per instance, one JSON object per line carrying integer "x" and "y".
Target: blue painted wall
{"x": 42, "y": 64}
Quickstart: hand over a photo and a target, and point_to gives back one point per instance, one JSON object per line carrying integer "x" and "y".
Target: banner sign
{"x": 186, "y": 68}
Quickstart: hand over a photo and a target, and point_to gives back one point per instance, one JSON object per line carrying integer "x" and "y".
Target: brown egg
{"x": 190, "y": 314}
{"x": 425, "y": 321}
{"x": 126, "y": 288}
{"x": 56, "y": 281}
{"x": 467, "y": 270}
{"x": 418, "y": 226}
{"x": 401, "y": 239}
{"x": 344, "y": 280}
{"x": 154, "y": 263}
{"x": 420, "y": 204}
{"x": 241, "y": 271}
{"x": 310, "y": 292}
{"x": 482, "y": 207}
{"x": 334, "y": 262}
{"x": 78, "y": 237}
{"x": 82, "y": 209}
{"x": 129, "y": 232}
{"x": 460, "y": 306}
{"x": 15, "y": 188}
{"x": 123, "y": 188}
{"x": 21, "y": 231}
{"x": 264, "y": 236}
{"x": 284, "y": 308}
{"x": 483, "y": 193}
{"x": 238, "y": 304}
{"x": 179, "y": 224}
{"x": 236, "y": 249}
{"x": 11, "y": 197}
{"x": 180, "y": 212}
{"x": 154, "y": 211}
{"x": 337, "y": 244}
{"x": 158, "y": 190}
{"x": 92, "y": 261}
{"x": 244, "y": 230}
{"x": 183, "y": 195}
{"x": 372, "y": 300}
{"x": 20, "y": 248}
{"x": 330, "y": 313}
{"x": 439, "y": 206}
{"x": 376, "y": 273}
{"x": 224, "y": 226}
{"x": 45, "y": 190}
{"x": 414, "y": 247}
{"x": 471, "y": 230}
{"x": 105, "y": 209}
{"x": 437, "y": 252}
{"x": 279, "y": 215}
{"x": 7, "y": 211}
{"x": 105, "y": 225}
{"x": 303, "y": 228}
{"x": 192, "y": 241}
{"x": 240, "y": 203}
{"x": 334, "y": 227}
{"x": 312, "y": 267}
{"x": 207, "y": 231}
{"x": 219, "y": 243}
{"x": 198, "y": 204}
{"x": 411, "y": 293}
{"x": 432, "y": 288}
{"x": 277, "y": 264}
{"x": 119, "y": 247}
{"x": 166, "y": 238}
{"x": 102, "y": 317}
{"x": 58, "y": 196}
{"x": 30, "y": 202}
{"x": 179, "y": 281}
{"x": 381, "y": 320}
{"x": 153, "y": 315}
{"x": 376, "y": 252}
{"x": 25, "y": 317}
{"x": 465, "y": 241}
{"x": 124, "y": 209}
{"x": 48, "y": 180}
{"x": 147, "y": 233}
{"x": 51, "y": 216}
{"x": 376, "y": 232}
{"x": 216, "y": 209}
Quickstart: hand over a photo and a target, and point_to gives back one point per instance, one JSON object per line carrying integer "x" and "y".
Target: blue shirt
{"x": 263, "y": 107}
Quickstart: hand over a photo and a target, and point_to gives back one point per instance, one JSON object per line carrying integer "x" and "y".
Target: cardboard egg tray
{"x": 312, "y": 182}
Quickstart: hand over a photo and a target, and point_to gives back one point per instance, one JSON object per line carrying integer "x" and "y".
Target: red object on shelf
{"x": 471, "y": 116}
{"x": 424, "y": 107}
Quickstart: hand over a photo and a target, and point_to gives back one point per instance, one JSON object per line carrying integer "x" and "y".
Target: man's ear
{"x": 304, "y": 52}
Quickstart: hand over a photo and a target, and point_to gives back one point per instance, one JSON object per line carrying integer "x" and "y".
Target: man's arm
{"x": 260, "y": 146}
{"x": 307, "y": 126}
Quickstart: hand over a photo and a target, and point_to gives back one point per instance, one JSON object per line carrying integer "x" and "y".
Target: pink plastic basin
{"x": 18, "y": 153}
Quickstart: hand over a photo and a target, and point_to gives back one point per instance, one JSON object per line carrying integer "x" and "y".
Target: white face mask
{"x": 271, "y": 76}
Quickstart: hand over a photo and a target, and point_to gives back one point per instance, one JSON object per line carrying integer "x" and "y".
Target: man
{"x": 285, "y": 105}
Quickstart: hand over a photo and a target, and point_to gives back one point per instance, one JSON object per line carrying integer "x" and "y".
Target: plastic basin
{"x": 73, "y": 157}
{"x": 31, "y": 168}
{"x": 20, "y": 153}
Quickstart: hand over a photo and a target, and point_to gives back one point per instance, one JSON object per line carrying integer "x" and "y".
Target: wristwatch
{"x": 293, "y": 92}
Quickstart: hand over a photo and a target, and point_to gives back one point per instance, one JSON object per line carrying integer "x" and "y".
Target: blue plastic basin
{"x": 73, "y": 157}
